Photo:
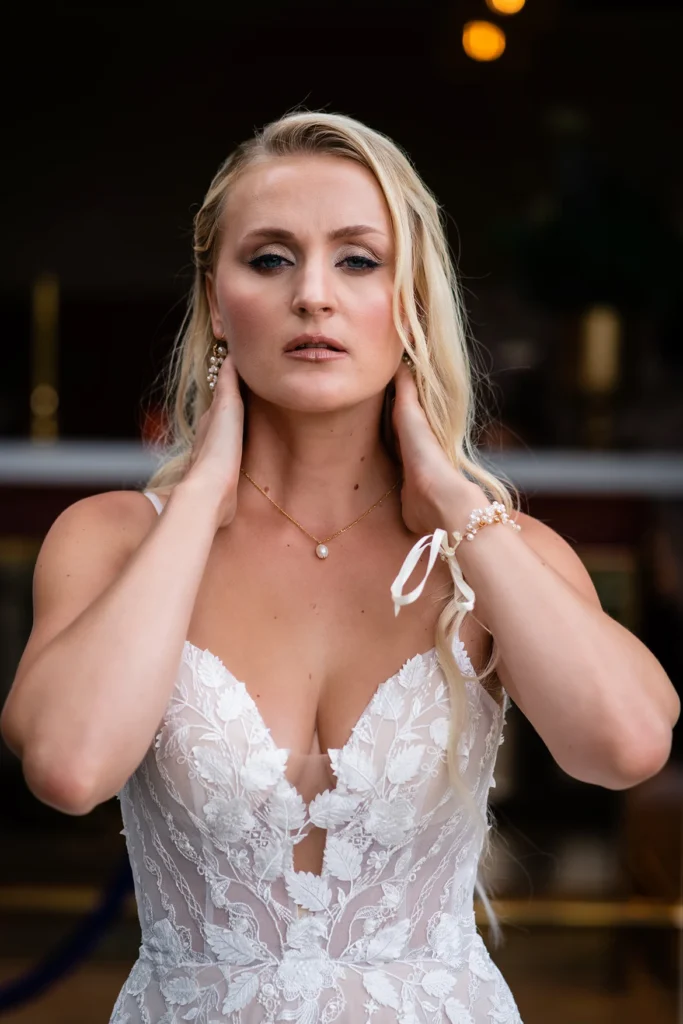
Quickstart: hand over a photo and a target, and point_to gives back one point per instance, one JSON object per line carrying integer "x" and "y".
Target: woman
{"x": 305, "y": 843}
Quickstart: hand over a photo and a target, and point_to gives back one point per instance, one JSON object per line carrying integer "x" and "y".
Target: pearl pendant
{"x": 322, "y": 551}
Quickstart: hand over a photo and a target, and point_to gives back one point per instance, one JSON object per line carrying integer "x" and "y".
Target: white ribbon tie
{"x": 438, "y": 545}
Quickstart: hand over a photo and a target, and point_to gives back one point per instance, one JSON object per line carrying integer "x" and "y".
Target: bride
{"x": 303, "y": 772}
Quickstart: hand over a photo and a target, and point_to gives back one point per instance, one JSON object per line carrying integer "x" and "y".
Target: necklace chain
{"x": 319, "y": 542}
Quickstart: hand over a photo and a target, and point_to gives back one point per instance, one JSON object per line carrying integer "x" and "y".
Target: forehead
{"x": 305, "y": 192}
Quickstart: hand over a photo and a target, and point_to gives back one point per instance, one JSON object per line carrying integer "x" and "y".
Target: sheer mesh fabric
{"x": 221, "y": 824}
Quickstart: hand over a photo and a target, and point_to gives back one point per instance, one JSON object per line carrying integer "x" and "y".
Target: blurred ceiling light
{"x": 505, "y": 6}
{"x": 483, "y": 40}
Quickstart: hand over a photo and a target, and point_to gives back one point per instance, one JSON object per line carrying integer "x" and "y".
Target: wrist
{"x": 202, "y": 496}
{"x": 455, "y": 505}
{"x": 487, "y": 541}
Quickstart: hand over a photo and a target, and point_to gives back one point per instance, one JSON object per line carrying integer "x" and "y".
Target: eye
{"x": 268, "y": 261}
{"x": 258, "y": 265}
{"x": 367, "y": 263}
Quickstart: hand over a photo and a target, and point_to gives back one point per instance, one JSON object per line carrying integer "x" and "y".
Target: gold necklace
{"x": 321, "y": 550}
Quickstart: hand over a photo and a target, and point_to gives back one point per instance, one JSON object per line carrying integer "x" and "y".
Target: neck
{"x": 323, "y": 469}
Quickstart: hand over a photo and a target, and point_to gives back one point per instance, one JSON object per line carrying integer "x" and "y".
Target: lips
{"x": 314, "y": 341}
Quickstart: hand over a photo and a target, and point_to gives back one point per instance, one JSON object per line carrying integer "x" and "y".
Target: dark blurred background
{"x": 556, "y": 163}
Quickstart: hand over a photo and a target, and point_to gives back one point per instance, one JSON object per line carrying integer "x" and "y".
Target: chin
{"x": 314, "y": 395}
{"x": 316, "y": 403}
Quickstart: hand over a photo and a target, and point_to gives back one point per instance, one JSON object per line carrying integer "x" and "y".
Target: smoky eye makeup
{"x": 268, "y": 261}
{"x": 355, "y": 262}
{"x": 354, "y": 258}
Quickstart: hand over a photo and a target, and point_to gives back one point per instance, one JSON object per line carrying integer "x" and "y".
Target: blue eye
{"x": 258, "y": 262}
{"x": 257, "y": 265}
{"x": 368, "y": 264}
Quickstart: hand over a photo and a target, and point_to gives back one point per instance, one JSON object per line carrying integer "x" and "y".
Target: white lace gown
{"x": 385, "y": 934}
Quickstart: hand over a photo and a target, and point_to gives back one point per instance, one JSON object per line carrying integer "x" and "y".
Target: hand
{"x": 217, "y": 451}
{"x": 434, "y": 492}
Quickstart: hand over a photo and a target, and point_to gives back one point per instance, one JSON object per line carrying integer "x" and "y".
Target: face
{"x": 307, "y": 248}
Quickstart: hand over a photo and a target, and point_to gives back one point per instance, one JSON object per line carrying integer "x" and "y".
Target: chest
{"x": 313, "y": 639}
{"x": 271, "y": 811}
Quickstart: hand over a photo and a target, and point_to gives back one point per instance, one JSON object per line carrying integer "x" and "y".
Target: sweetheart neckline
{"x": 422, "y": 656}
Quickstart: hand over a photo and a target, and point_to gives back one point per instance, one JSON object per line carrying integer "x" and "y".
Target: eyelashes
{"x": 257, "y": 264}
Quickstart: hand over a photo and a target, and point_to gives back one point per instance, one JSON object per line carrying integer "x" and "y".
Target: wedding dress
{"x": 385, "y": 933}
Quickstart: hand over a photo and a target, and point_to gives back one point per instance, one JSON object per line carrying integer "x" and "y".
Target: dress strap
{"x": 438, "y": 545}
{"x": 156, "y": 500}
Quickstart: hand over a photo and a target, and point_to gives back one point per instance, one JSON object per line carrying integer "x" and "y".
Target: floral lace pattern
{"x": 385, "y": 934}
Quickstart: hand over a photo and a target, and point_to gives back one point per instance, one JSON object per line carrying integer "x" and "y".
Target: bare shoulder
{"x": 557, "y": 552}
{"x": 123, "y": 517}
{"x": 86, "y": 547}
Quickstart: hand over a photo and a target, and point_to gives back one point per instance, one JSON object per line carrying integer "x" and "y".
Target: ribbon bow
{"x": 438, "y": 545}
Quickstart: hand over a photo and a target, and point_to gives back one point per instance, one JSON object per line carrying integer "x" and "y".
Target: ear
{"x": 213, "y": 305}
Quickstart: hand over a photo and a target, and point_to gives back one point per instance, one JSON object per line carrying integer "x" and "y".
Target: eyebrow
{"x": 345, "y": 232}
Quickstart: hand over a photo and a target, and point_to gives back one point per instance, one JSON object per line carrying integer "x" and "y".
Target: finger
{"x": 226, "y": 383}
{"x": 406, "y": 388}
{"x": 404, "y": 374}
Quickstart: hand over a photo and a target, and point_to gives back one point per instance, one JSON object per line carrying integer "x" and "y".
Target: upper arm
{"x": 84, "y": 550}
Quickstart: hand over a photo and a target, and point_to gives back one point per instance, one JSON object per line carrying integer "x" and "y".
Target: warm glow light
{"x": 600, "y": 349}
{"x": 482, "y": 40}
{"x": 44, "y": 400}
{"x": 505, "y": 6}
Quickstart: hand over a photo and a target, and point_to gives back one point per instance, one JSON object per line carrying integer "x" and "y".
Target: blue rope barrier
{"x": 58, "y": 963}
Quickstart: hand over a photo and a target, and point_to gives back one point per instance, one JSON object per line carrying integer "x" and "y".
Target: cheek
{"x": 246, "y": 308}
{"x": 376, "y": 317}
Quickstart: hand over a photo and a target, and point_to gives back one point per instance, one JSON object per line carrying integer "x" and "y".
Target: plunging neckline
{"x": 335, "y": 755}
{"x": 422, "y": 657}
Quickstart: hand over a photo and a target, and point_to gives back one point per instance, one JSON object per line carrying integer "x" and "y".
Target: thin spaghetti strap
{"x": 155, "y": 499}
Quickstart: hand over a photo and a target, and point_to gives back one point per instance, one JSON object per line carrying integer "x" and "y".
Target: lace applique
{"x": 231, "y": 932}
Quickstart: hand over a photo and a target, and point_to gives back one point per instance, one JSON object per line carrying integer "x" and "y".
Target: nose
{"x": 314, "y": 288}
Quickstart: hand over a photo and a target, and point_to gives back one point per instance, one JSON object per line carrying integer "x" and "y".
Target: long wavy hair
{"x": 428, "y": 315}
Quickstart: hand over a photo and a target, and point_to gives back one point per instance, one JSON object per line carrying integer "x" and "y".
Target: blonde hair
{"x": 428, "y": 317}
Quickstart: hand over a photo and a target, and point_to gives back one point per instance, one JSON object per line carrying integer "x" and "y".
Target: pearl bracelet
{"x": 437, "y": 544}
{"x": 480, "y": 517}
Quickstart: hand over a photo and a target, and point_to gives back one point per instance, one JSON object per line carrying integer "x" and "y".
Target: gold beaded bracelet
{"x": 480, "y": 517}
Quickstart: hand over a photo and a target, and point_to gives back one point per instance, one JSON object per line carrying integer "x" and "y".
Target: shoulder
{"x": 558, "y": 553}
{"x": 105, "y": 527}
{"x": 84, "y": 550}
{"x": 118, "y": 511}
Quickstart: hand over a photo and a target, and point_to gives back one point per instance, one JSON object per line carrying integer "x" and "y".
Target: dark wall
{"x": 116, "y": 118}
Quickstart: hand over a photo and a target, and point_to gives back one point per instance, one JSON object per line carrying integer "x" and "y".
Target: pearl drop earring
{"x": 218, "y": 354}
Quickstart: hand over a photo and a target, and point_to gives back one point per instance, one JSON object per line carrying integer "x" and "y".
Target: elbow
{"x": 9, "y": 733}
{"x": 64, "y": 783}
{"x": 65, "y": 788}
{"x": 619, "y": 765}
{"x": 640, "y": 758}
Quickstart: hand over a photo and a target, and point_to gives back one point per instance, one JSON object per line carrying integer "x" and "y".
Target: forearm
{"x": 595, "y": 694}
{"x": 89, "y": 705}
